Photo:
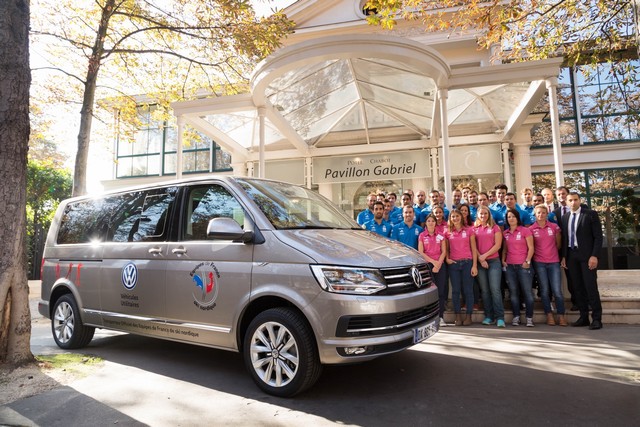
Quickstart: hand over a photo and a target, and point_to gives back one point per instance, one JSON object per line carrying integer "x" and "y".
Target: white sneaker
{"x": 530, "y": 322}
{"x": 515, "y": 321}
{"x": 442, "y": 322}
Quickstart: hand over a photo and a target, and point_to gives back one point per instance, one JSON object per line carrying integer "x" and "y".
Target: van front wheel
{"x": 280, "y": 352}
{"x": 66, "y": 325}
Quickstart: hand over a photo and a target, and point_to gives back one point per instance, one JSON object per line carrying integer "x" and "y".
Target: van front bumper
{"x": 369, "y": 327}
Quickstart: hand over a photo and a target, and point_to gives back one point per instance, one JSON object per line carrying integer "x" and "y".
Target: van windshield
{"x": 289, "y": 206}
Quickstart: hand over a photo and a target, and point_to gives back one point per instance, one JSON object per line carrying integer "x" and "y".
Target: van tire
{"x": 277, "y": 372}
{"x": 66, "y": 325}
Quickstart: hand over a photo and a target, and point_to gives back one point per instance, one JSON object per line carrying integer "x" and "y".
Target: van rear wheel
{"x": 280, "y": 352}
{"x": 66, "y": 325}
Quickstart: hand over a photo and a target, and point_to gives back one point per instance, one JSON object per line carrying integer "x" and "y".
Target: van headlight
{"x": 345, "y": 280}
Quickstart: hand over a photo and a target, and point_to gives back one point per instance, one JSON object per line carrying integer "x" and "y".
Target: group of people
{"x": 488, "y": 239}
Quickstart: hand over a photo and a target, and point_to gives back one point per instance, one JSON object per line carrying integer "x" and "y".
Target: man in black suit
{"x": 561, "y": 208}
{"x": 581, "y": 244}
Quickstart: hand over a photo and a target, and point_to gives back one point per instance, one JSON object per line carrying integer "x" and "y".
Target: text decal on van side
{"x": 129, "y": 276}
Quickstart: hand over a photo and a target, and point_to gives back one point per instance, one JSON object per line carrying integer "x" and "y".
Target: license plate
{"x": 422, "y": 333}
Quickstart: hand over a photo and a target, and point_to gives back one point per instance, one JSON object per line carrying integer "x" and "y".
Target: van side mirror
{"x": 228, "y": 229}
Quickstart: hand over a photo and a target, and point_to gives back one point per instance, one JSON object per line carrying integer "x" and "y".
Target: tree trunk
{"x": 15, "y": 78}
{"x": 86, "y": 113}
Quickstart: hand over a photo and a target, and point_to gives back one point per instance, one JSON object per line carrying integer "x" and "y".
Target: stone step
{"x": 625, "y": 316}
{"x": 614, "y": 310}
{"x": 614, "y": 278}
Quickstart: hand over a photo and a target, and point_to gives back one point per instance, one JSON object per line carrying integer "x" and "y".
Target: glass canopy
{"x": 365, "y": 91}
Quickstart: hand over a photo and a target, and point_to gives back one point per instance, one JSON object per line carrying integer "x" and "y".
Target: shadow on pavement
{"x": 64, "y": 407}
{"x": 464, "y": 376}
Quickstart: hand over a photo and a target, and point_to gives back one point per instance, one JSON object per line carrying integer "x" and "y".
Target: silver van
{"x": 269, "y": 269}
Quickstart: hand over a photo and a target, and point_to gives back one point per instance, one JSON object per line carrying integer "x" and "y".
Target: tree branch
{"x": 168, "y": 53}
{"x": 68, "y": 74}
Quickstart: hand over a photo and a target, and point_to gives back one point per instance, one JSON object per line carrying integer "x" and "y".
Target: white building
{"x": 348, "y": 108}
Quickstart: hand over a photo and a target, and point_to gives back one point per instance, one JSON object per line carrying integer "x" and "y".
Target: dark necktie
{"x": 572, "y": 232}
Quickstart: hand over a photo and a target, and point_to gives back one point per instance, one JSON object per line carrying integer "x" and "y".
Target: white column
{"x": 308, "y": 177}
{"x": 522, "y": 158}
{"x": 241, "y": 169}
{"x": 522, "y": 165}
{"x": 552, "y": 84}
{"x": 443, "y": 94}
{"x": 577, "y": 101}
{"x": 505, "y": 165}
{"x": 179, "y": 148}
{"x": 434, "y": 170}
{"x": 262, "y": 111}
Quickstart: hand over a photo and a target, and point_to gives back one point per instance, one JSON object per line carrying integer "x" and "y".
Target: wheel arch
{"x": 261, "y": 304}
{"x": 60, "y": 289}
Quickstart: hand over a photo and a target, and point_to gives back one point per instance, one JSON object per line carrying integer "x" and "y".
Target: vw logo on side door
{"x": 129, "y": 276}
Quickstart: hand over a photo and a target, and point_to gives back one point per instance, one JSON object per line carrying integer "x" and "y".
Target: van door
{"x": 134, "y": 262}
{"x": 208, "y": 281}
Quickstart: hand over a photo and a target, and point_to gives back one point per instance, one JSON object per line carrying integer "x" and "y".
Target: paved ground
{"x": 478, "y": 376}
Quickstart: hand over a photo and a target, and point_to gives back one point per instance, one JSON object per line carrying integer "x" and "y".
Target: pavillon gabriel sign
{"x": 398, "y": 165}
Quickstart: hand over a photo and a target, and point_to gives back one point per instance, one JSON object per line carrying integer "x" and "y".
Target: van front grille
{"x": 381, "y": 324}
{"x": 400, "y": 281}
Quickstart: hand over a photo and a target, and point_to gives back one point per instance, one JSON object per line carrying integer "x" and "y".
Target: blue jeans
{"x": 520, "y": 278}
{"x": 549, "y": 277}
{"x": 442, "y": 282}
{"x": 460, "y": 275}
{"x": 489, "y": 280}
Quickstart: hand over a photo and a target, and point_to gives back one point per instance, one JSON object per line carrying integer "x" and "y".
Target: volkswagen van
{"x": 269, "y": 269}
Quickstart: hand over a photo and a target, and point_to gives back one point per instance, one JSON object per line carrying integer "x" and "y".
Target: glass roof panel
{"x": 303, "y": 119}
{"x": 484, "y": 90}
{"x": 315, "y": 130}
{"x": 243, "y": 127}
{"x": 503, "y": 101}
{"x": 394, "y": 78}
{"x": 474, "y": 112}
{"x": 417, "y": 122}
{"x": 351, "y": 121}
{"x": 396, "y": 100}
{"x": 379, "y": 119}
{"x": 459, "y": 98}
{"x": 309, "y": 89}
{"x": 295, "y": 75}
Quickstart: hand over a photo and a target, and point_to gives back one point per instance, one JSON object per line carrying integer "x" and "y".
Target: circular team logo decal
{"x": 129, "y": 276}
{"x": 204, "y": 277}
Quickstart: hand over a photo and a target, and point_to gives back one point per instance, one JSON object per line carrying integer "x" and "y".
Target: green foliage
{"x": 128, "y": 52}
{"x": 582, "y": 31}
{"x": 46, "y": 187}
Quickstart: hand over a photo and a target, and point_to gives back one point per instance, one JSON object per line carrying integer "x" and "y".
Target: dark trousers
{"x": 585, "y": 285}
{"x": 570, "y": 288}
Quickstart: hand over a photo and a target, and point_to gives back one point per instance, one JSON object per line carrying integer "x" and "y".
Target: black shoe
{"x": 574, "y": 308}
{"x": 596, "y": 324}
{"x": 582, "y": 322}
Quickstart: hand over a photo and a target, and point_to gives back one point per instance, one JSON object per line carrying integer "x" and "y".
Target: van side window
{"x": 83, "y": 222}
{"x": 205, "y": 203}
{"x": 126, "y": 217}
{"x": 143, "y": 216}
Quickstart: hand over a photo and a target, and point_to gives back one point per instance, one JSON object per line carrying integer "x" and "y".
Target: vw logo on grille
{"x": 416, "y": 276}
{"x": 129, "y": 276}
